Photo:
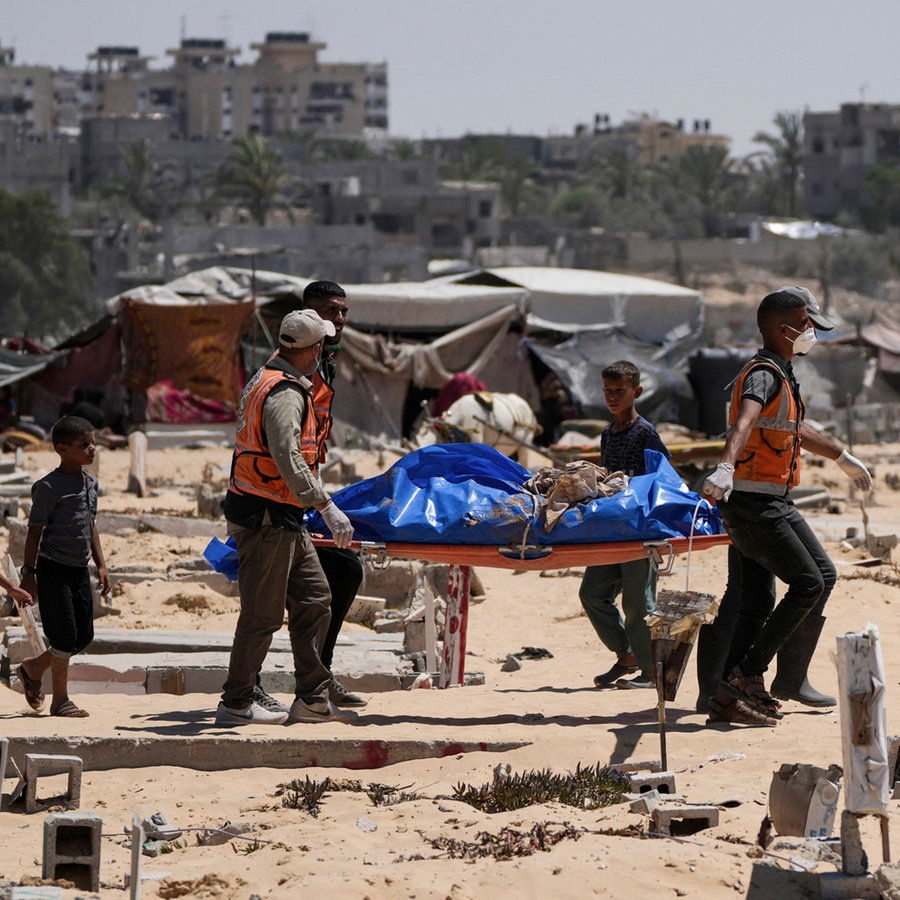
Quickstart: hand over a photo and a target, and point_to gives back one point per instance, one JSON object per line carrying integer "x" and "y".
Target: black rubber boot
{"x": 713, "y": 642}
{"x": 790, "y": 682}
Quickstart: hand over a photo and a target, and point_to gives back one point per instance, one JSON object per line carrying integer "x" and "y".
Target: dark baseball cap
{"x": 812, "y": 307}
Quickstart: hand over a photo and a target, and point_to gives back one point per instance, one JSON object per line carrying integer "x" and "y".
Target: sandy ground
{"x": 357, "y": 849}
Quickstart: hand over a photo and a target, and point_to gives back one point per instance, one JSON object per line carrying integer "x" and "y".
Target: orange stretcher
{"x": 540, "y": 557}
{"x": 534, "y": 557}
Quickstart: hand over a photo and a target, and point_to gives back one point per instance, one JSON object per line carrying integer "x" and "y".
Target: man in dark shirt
{"x": 751, "y": 484}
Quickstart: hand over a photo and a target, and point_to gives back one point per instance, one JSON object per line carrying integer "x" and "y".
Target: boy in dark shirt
{"x": 62, "y": 539}
{"x": 622, "y": 447}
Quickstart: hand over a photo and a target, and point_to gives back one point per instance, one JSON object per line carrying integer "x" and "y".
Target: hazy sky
{"x": 528, "y": 66}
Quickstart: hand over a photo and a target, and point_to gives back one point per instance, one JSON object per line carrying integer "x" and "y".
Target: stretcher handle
{"x": 654, "y": 551}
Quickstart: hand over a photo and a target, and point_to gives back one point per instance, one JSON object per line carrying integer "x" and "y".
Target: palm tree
{"x": 706, "y": 177}
{"x": 151, "y": 188}
{"x": 617, "y": 171}
{"x": 786, "y": 150}
{"x": 253, "y": 174}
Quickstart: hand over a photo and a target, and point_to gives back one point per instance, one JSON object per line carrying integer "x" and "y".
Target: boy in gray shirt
{"x": 62, "y": 539}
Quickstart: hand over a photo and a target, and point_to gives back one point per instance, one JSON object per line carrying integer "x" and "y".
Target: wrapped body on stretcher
{"x": 467, "y": 505}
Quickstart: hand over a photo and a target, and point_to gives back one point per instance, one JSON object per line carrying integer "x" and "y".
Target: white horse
{"x": 501, "y": 421}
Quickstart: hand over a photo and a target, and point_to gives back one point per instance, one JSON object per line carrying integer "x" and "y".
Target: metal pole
{"x": 661, "y": 709}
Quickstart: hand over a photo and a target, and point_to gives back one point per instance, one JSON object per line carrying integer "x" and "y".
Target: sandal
{"x": 67, "y": 709}
{"x": 33, "y": 688}
{"x": 736, "y": 712}
{"x": 751, "y": 690}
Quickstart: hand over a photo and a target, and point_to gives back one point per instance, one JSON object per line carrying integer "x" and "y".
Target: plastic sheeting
{"x": 471, "y": 494}
{"x": 667, "y": 396}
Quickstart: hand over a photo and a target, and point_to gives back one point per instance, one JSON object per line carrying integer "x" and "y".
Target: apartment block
{"x": 839, "y": 148}
{"x": 205, "y": 92}
{"x": 646, "y": 139}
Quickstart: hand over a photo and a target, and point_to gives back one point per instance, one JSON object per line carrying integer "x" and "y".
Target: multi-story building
{"x": 206, "y": 92}
{"x": 647, "y": 139}
{"x": 839, "y": 148}
{"x": 26, "y": 96}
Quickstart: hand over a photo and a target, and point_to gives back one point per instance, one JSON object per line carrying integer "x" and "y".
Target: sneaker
{"x": 322, "y": 711}
{"x": 641, "y": 681}
{"x": 254, "y": 713}
{"x": 340, "y": 696}
{"x": 617, "y": 671}
{"x": 266, "y": 701}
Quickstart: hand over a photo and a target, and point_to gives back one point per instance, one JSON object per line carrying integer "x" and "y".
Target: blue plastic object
{"x": 472, "y": 494}
{"x": 222, "y": 556}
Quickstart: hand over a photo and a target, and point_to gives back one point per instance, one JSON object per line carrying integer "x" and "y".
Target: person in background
{"x": 751, "y": 484}
{"x": 342, "y": 568}
{"x": 273, "y": 480}
{"x": 9, "y": 411}
{"x": 62, "y": 539}
{"x": 456, "y": 386}
{"x": 622, "y": 446}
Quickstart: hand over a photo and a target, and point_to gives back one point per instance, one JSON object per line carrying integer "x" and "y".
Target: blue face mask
{"x": 804, "y": 341}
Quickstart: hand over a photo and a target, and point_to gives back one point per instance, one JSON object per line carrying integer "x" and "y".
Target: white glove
{"x": 720, "y": 484}
{"x": 338, "y": 524}
{"x": 855, "y": 471}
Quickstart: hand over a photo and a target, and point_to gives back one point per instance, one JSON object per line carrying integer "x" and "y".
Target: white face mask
{"x": 804, "y": 341}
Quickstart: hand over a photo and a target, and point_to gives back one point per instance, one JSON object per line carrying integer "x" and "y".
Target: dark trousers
{"x": 743, "y": 615}
{"x": 774, "y": 541}
{"x": 66, "y": 604}
{"x": 278, "y": 570}
{"x": 344, "y": 574}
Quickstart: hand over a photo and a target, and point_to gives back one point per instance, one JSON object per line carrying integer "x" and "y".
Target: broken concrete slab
{"x": 151, "y": 640}
{"x": 153, "y": 661}
{"x": 173, "y": 526}
{"x": 225, "y": 749}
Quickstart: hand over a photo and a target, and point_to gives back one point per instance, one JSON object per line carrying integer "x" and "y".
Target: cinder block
{"x": 645, "y": 803}
{"x": 37, "y": 764}
{"x": 683, "y": 820}
{"x": 72, "y": 848}
{"x": 663, "y": 782}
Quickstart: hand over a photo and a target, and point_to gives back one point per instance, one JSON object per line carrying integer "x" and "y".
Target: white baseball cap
{"x": 302, "y": 328}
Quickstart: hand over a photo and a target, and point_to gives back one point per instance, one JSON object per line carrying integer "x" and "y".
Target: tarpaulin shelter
{"x": 607, "y": 316}
{"x": 180, "y": 355}
{"x": 571, "y": 301}
{"x": 405, "y": 338}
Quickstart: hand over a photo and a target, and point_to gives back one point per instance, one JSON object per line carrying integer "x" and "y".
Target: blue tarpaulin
{"x": 472, "y": 494}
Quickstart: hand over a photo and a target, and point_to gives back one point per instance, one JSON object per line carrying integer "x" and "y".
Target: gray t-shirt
{"x": 66, "y": 506}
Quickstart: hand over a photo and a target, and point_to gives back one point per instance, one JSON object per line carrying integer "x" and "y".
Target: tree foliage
{"x": 880, "y": 208}
{"x": 489, "y": 159}
{"x": 153, "y": 189}
{"x": 44, "y": 272}
{"x": 785, "y": 152}
{"x": 254, "y": 175}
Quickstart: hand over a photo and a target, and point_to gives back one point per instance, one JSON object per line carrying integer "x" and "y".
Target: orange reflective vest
{"x": 323, "y": 394}
{"x": 253, "y": 471}
{"x": 770, "y": 461}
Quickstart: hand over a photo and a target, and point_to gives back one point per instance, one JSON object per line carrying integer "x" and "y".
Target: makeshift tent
{"x": 577, "y": 300}
{"x": 609, "y": 316}
{"x": 180, "y": 341}
{"x": 179, "y": 355}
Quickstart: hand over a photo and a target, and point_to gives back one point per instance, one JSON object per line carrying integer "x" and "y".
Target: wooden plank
{"x": 863, "y": 723}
